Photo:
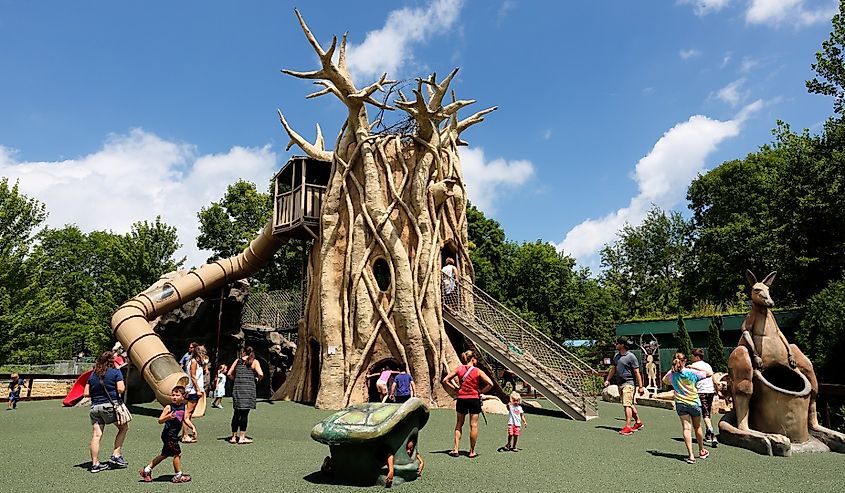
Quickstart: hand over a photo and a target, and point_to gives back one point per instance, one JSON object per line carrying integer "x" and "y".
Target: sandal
{"x": 454, "y": 453}
{"x": 189, "y": 440}
{"x": 473, "y": 455}
{"x": 233, "y": 440}
{"x": 245, "y": 441}
{"x": 181, "y": 479}
{"x": 690, "y": 460}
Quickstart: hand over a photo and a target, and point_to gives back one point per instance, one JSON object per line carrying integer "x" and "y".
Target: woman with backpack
{"x": 471, "y": 383}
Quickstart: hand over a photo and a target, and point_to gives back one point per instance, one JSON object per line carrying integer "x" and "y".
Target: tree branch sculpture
{"x": 396, "y": 197}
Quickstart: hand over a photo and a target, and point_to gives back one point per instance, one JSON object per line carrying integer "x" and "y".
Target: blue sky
{"x": 114, "y": 112}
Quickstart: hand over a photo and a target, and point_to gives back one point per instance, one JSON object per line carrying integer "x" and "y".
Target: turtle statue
{"x": 362, "y": 437}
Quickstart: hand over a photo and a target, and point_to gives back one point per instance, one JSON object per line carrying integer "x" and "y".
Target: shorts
{"x": 170, "y": 447}
{"x": 193, "y": 397}
{"x": 627, "y": 393}
{"x": 468, "y": 406}
{"x": 381, "y": 385}
{"x": 706, "y": 404}
{"x": 102, "y": 414}
{"x": 684, "y": 409}
{"x": 514, "y": 430}
{"x": 402, "y": 398}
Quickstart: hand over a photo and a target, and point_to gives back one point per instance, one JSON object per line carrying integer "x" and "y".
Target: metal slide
{"x": 545, "y": 365}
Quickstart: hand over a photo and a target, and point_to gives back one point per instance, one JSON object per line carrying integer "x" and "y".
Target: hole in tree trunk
{"x": 381, "y": 271}
{"x": 377, "y": 367}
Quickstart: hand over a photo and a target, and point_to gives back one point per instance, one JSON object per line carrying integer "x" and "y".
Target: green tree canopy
{"x": 645, "y": 266}
{"x": 830, "y": 65}
{"x": 228, "y": 225}
{"x": 715, "y": 347}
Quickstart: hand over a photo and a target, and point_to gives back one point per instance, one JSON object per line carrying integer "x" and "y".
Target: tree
{"x": 821, "y": 335}
{"x": 28, "y": 311}
{"x": 394, "y": 202}
{"x": 682, "y": 338}
{"x": 489, "y": 251}
{"x": 646, "y": 264}
{"x": 228, "y": 225}
{"x": 830, "y": 65}
{"x": 715, "y": 347}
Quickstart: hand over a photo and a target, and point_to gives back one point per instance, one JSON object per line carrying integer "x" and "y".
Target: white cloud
{"x": 704, "y": 7}
{"x": 662, "y": 176}
{"x": 486, "y": 180}
{"x": 732, "y": 93}
{"x": 547, "y": 134}
{"x": 796, "y": 12}
{"x": 726, "y": 60}
{"x": 389, "y": 48}
{"x": 690, "y": 53}
{"x": 136, "y": 177}
{"x": 748, "y": 64}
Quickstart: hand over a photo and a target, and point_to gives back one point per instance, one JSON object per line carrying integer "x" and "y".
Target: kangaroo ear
{"x": 770, "y": 279}
{"x": 750, "y": 277}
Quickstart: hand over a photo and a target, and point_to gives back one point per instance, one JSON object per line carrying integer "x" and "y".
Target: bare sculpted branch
{"x": 393, "y": 207}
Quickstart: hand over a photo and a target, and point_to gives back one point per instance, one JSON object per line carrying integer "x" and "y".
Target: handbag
{"x": 120, "y": 410}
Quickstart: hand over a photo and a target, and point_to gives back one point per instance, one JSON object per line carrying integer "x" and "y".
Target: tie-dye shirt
{"x": 684, "y": 384}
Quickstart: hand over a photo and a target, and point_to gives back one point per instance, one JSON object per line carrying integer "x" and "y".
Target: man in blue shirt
{"x": 627, "y": 368}
{"x": 403, "y": 386}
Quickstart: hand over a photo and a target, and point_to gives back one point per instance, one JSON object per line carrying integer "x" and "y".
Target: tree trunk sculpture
{"x": 393, "y": 199}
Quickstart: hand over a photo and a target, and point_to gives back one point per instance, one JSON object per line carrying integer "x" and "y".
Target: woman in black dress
{"x": 245, "y": 372}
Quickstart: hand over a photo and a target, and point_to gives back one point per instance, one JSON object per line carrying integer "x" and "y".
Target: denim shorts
{"x": 102, "y": 414}
{"x": 688, "y": 409}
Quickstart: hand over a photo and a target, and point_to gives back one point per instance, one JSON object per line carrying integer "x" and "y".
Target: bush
{"x": 715, "y": 348}
{"x": 683, "y": 339}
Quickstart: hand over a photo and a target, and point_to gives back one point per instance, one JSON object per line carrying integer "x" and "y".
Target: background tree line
{"x": 779, "y": 208}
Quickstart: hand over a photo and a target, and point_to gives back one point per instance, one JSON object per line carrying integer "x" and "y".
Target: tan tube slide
{"x": 130, "y": 323}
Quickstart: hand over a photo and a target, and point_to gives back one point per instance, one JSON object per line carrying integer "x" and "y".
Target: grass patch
{"x": 45, "y": 448}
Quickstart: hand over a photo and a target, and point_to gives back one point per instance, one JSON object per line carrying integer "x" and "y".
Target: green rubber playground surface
{"x": 45, "y": 449}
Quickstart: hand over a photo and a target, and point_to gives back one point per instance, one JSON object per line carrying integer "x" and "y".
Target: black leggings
{"x": 239, "y": 420}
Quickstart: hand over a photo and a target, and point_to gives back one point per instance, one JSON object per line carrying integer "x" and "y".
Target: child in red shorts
{"x": 516, "y": 420}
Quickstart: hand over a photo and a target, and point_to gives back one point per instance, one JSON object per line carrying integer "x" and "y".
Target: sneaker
{"x": 637, "y": 426}
{"x": 146, "y": 476}
{"x": 98, "y": 467}
{"x": 704, "y": 454}
{"x": 627, "y": 430}
{"x": 714, "y": 443}
{"x": 118, "y": 462}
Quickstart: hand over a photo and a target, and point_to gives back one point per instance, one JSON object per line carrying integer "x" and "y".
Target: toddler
{"x": 220, "y": 389}
{"x": 516, "y": 420}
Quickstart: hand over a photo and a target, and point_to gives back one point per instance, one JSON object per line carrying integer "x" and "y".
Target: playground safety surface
{"x": 45, "y": 448}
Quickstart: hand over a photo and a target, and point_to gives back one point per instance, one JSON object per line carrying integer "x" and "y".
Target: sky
{"x": 117, "y": 112}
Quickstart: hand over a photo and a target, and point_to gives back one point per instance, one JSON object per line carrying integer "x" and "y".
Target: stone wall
{"x": 44, "y": 388}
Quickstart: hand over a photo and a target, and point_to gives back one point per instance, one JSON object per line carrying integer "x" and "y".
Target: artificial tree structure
{"x": 394, "y": 202}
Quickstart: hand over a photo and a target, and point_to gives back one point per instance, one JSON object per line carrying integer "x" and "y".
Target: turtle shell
{"x": 369, "y": 421}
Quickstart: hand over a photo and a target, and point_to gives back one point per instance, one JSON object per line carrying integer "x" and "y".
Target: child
{"x": 171, "y": 417}
{"x": 409, "y": 449}
{"x": 516, "y": 420}
{"x": 220, "y": 389}
{"x": 15, "y": 387}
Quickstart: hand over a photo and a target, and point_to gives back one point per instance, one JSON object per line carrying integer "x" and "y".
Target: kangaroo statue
{"x": 763, "y": 346}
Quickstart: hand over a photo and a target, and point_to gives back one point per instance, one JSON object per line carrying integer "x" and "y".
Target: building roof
{"x": 785, "y": 318}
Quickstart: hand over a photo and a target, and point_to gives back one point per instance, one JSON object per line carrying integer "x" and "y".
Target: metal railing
{"x": 531, "y": 351}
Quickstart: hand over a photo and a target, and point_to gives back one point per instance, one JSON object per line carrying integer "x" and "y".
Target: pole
{"x": 219, "y": 324}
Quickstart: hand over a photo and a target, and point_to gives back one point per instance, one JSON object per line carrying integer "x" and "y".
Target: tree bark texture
{"x": 392, "y": 199}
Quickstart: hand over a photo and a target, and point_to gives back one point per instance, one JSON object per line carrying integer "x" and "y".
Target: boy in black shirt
{"x": 171, "y": 417}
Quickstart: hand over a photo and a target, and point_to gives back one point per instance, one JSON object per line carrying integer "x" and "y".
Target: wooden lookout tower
{"x": 298, "y": 196}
